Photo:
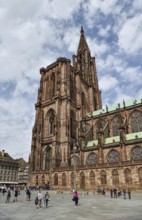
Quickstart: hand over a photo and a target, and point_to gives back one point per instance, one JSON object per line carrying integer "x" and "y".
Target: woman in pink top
{"x": 76, "y": 198}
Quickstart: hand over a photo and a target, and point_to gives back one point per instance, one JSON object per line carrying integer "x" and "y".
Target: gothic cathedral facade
{"x": 76, "y": 143}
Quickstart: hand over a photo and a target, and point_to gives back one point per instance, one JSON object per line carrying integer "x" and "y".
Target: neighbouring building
{"x": 8, "y": 169}
{"x": 23, "y": 174}
{"x": 23, "y": 171}
{"x": 74, "y": 139}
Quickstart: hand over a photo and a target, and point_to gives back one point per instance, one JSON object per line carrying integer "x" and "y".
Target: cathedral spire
{"x": 82, "y": 43}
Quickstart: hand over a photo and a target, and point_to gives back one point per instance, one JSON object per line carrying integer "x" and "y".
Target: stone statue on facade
{"x": 101, "y": 133}
{"x": 123, "y": 128}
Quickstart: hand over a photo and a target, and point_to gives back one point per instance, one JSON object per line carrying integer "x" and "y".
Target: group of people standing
{"x": 9, "y": 194}
{"x": 42, "y": 200}
{"x": 116, "y": 193}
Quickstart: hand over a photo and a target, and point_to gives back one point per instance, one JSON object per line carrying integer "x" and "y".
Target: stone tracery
{"x": 92, "y": 159}
{"x": 113, "y": 156}
{"x": 136, "y": 153}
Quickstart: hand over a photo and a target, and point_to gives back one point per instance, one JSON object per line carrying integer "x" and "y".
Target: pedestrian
{"x": 8, "y": 196}
{"x": 129, "y": 193}
{"x": 28, "y": 194}
{"x": 124, "y": 193}
{"x": 111, "y": 193}
{"x": 76, "y": 198}
{"x": 103, "y": 192}
{"x": 15, "y": 195}
{"x": 36, "y": 201}
{"x": 40, "y": 197}
{"x": 47, "y": 198}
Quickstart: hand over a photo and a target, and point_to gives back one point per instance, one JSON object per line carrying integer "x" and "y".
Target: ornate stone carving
{"x": 101, "y": 130}
{"x": 123, "y": 127}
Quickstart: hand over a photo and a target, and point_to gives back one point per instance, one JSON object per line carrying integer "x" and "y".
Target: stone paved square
{"x": 92, "y": 207}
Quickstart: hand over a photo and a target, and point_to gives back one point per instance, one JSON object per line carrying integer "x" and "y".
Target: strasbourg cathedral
{"x": 74, "y": 139}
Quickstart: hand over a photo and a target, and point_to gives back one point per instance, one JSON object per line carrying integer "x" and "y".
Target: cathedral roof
{"x": 114, "y": 108}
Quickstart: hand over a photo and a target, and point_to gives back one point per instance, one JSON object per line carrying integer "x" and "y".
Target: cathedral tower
{"x": 66, "y": 94}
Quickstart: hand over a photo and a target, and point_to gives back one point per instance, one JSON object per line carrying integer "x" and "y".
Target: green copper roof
{"x": 133, "y": 136}
{"x": 115, "y": 107}
{"x": 116, "y": 139}
{"x": 92, "y": 143}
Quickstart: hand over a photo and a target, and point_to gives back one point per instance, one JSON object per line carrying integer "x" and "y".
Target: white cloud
{"x": 107, "y": 82}
{"x": 130, "y": 35}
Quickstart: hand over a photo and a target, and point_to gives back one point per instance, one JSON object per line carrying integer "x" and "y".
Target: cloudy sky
{"x": 35, "y": 33}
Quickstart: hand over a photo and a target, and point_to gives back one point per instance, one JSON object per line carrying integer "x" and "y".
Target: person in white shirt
{"x": 40, "y": 197}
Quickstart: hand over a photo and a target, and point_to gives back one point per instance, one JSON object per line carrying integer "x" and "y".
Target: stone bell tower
{"x": 66, "y": 94}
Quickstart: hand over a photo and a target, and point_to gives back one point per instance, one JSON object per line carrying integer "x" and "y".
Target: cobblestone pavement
{"x": 91, "y": 207}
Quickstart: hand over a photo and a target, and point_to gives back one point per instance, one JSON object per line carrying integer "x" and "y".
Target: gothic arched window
{"x": 115, "y": 177}
{"x": 47, "y": 158}
{"x": 83, "y": 102}
{"x": 73, "y": 124}
{"x": 51, "y": 123}
{"x": 52, "y": 85}
{"x": 113, "y": 156}
{"x": 92, "y": 179}
{"x": 115, "y": 126}
{"x": 136, "y": 153}
{"x": 92, "y": 159}
{"x": 64, "y": 179}
{"x": 140, "y": 174}
{"x": 56, "y": 179}
{"x": 136, "y": 121}
{"x": 82, "y": 180}
{"x": 72, "y": 179}
{"x": 101, "y": 126}
{"x": 95, "y": 104}
{"x": 103, "y": 177}
{"x": 128, "y": 176}
{"x": 75, "y": 161}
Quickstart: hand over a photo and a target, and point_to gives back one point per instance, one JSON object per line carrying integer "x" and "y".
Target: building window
{"x": 103, "y": 177}
{"x": 75, "y": 161}
{"x": 64, "y": 179}
{"x": 51, "y": 123}
{"x": 136, "y": 121}
{"x": 82, "y": 180}
{"x": 115, "y": 177}
{"x": 73, "y": 125}
{"x": 113, "y": 157}
{"x": 56, "y": 179}
{"x": 140, "y": 174}
{"x": 83, "y": 102}
{"x": 92, "y": 159}
{"x": 47, "y": 158}
{"x": 128, "y": 176}
{"x": 115, "y": 126}
{"x": 92, "y": 179}
{"x": 72, "y": 179}
{"x": 136, "y": 153}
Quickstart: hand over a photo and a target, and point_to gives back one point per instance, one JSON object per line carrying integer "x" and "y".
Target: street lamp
{"x": 74, "y": 162}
